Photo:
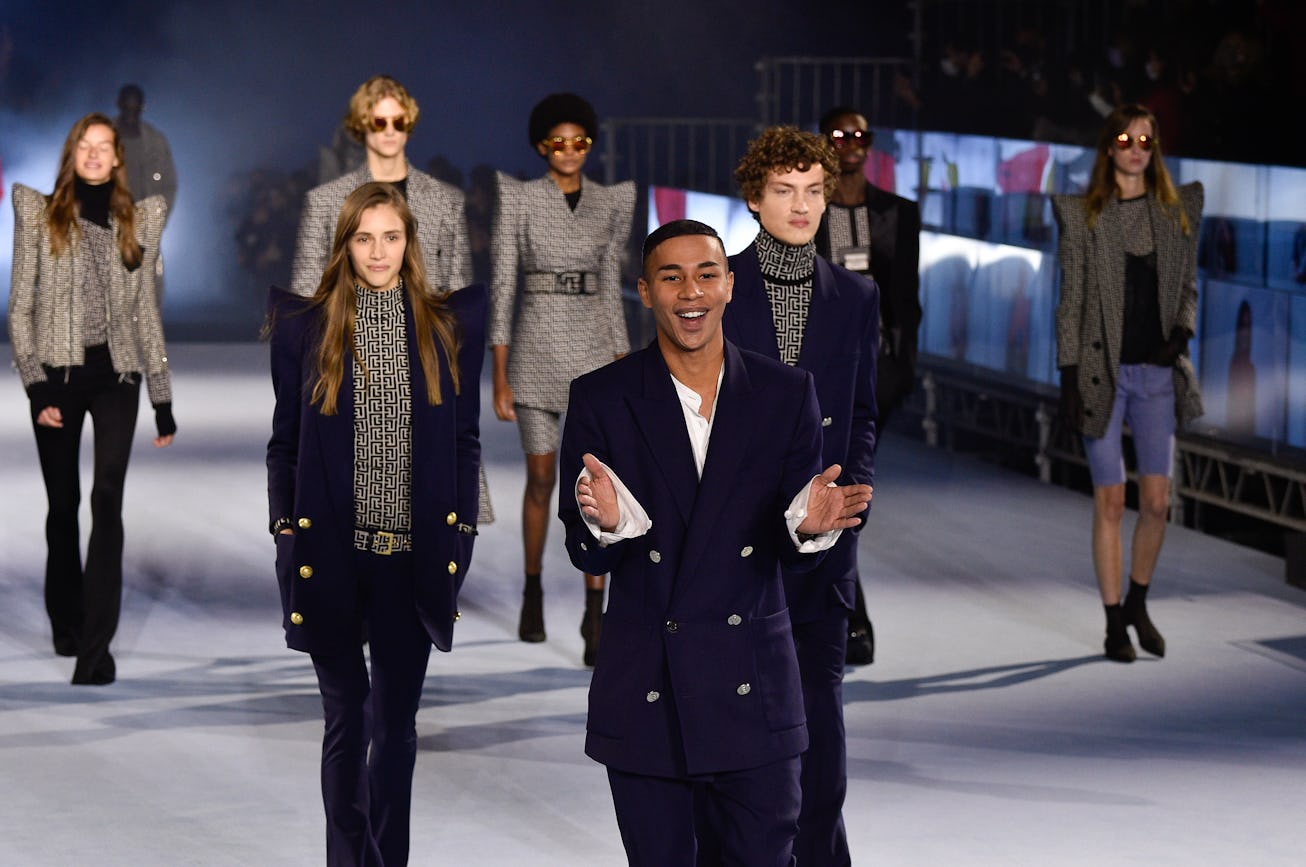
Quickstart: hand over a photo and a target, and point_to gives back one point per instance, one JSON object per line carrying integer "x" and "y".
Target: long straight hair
{"x": 61, "y": 215}
{"x": 1102, "y": 183}
{"x": 337, "y": 292}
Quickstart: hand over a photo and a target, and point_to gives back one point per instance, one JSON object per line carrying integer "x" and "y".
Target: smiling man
{"x": 793, "y": 306}
{"x": 699, "y": 474}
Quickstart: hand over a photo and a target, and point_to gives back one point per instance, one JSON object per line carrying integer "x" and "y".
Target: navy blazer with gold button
{"x": 310, "y": 462}
{"x": 840, "y": 349}
{"x": 696, "y": 672}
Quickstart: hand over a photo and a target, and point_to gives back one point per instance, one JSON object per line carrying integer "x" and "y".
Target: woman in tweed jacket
{"x": 566, "y": 235}
{"x": 1128, "y": 309}
{"x": 84, "y": 325}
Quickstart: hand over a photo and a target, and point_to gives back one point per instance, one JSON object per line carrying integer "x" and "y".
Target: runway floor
{"x": 989, "y": 731}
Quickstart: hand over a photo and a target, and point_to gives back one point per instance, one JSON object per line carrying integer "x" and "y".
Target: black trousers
{"x": 369, "y": 746}
{"x": 84, "y": 603}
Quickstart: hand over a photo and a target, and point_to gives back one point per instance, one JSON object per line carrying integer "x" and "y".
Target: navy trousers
{"x": 821, "y": 645}
{"x": 751, "y": 816}
{"x": 369, "y": 746}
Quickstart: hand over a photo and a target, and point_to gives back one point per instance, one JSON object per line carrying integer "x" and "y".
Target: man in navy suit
{"x": 697, "y": 471}
{"x": 795, "y": 306}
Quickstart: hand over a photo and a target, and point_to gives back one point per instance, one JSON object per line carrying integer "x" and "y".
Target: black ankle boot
{"x": 96, "y": 670}
{"x": 1135, "y": 608}
{"x": 1117, "y": 645}
{"x": 591, "y": 625}
{"x": 530, "y": 627}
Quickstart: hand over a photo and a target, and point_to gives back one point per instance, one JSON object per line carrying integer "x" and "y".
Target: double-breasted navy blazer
{"x": 697, "y": 671}
{"x": 840, "y": 349}
{"x": 310, "y": 479}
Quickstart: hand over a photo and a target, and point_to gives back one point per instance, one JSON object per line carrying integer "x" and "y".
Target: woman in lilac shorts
{"x": 1128, "y": 309}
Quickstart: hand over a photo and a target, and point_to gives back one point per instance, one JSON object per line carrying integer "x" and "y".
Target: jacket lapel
{"x": 661, "y": 423}
{"x": 732, "y": 433}
{"x": 1110, "y": 264}
{"x": 824, "y": 324}
{"x": 751, "y": 310}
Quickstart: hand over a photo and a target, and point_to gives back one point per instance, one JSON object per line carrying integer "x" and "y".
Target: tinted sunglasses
{"x": 580, "y": 144}
{"x": 1125, "y": 140}
{"x": 400, "y": 123}
{"x": 842, "y": 138}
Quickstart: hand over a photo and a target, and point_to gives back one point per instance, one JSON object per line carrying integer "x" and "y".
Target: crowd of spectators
{"x": 1212, "y": 72}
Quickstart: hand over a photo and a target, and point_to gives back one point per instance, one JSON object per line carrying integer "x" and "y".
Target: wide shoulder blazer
{"x": 1090, "y": 314}
{"x": 441, "y": 230}
{"x": 697, "y": 671}
{"x": 841, "y": 350}
{"x": 310, "y": 461}
{"x": 536, "y": 232}
{"x": 46, "y": 317}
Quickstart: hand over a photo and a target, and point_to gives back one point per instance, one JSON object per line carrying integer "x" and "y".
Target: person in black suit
{"x": 372, "y": 494}
{"x": 697, "y": 468}
{"x": 876, "y": 233}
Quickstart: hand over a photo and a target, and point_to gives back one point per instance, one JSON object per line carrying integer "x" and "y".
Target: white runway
{"x": 989, "y": 731}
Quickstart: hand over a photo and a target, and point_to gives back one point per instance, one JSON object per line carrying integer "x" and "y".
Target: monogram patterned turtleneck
{"x": 787, "y": 274}
{"x": 383, "y": 449}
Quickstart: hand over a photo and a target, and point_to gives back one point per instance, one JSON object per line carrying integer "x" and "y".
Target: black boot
{"x": 1135, "y": 609}
{"x": 591, "y": 625}
{"x": 1117, "y": 645}
{"x": 95, "y": 670}
{"x": 531, "y": 625}
{"x": 861, "y": 636}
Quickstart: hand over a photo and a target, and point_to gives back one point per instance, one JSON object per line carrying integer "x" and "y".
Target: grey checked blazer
{"x": 46, "y": 317}
{"x": 536, "y": 231}
{"x": 1090, "y": 314}
{"x": 441, "y": 230}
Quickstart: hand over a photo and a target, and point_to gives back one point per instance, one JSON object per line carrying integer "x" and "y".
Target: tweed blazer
{"x": 535, "y": 231}
{"x": 1090, "y": 324}
{"x": 46, "y": 317}
{"x": 441, "y": 230}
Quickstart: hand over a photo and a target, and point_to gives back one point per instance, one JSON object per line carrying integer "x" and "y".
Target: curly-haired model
{"x": 784, "y": 149}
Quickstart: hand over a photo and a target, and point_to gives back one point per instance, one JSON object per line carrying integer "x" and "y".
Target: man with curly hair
{"x": 795, "y": 306}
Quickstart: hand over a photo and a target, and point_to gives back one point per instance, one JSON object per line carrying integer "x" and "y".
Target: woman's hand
{"x": 163, "y": 442}
{"x": 50, "y": 417}
{"x": 502, "y": 390}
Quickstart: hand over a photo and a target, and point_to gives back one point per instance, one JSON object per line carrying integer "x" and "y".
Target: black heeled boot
{"x": 1135, "y": 608}
{"x": 530, "y": 627}
{"x": 591, "y": 625}
{"x": 95, "y": 670}
{"x": 1117, "y": 645}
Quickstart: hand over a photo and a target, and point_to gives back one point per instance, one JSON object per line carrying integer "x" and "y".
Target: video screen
{"x": 1244, "y": 360}
{"x": 727, "y": 214}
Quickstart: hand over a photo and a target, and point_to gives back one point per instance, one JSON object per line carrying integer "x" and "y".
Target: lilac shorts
{"x": 1145, "y": 399}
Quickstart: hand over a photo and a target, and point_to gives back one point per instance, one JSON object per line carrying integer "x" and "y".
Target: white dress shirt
{"x": 634, "y": 521}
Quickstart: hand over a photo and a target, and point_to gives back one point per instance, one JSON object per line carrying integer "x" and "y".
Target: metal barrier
{"x": 691, "y": 153}
{"x": 798, "y": 90}
{"x": 1024, "y": 420}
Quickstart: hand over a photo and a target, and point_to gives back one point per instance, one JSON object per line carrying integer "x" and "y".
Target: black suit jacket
{"x": 895, "y": 265}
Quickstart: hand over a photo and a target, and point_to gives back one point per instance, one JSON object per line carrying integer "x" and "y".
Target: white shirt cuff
{"x": 797, "y": 513}
{"x": 633, "y": 521}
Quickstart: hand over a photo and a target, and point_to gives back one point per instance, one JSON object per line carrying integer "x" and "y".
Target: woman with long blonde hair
{"x": 372, "y": 493}
{"x": 84, "y": 325}
{"x": 1128, "y": 309}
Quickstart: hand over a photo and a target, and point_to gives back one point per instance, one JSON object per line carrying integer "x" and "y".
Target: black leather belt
{"x": 562, "y": 282}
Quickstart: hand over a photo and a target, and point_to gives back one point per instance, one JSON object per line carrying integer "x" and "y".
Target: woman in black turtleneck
{"x": 84, "y": 325}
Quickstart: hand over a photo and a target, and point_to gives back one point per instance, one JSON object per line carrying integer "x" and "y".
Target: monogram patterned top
{"x": 849, "y": 227}
{"x": 100, "y": 249}
{"x": 787, "y": 273}
{"x": 383, "y": 412}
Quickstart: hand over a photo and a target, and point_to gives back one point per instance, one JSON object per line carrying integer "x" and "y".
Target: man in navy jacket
{"x": 795, "y": 306}
{"x": 697, "y": 470}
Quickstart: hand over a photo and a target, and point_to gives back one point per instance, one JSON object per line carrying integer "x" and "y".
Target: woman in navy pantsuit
{"x": 372, "y": 489}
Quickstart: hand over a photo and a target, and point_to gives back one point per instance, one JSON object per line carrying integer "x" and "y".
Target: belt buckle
{"x": 570, "y": 282}
{"x": 383, "y": 543}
